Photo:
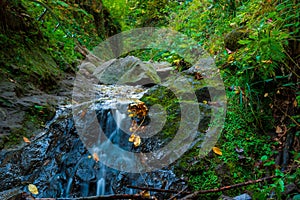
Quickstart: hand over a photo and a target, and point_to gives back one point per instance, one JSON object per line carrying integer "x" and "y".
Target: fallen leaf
{"x": 83, "y": 113}
{"x": 145, "y": 194}
{"x": 131, "y": 138}
{"x": 33, "y": 189}
{"x": 26, "y": 140}
{"x": 95, "y": 157}
{"x": 278, "y": 129}
{"x": 217, "y": 150}
{"x": 295, "y": 104}
{"x": 137, "y": 141}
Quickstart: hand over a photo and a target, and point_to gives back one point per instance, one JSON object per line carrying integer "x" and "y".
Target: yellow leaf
{"x": 205, "y": 102}
{"x": 230, "y": 58}
{"x": 267, "y": 61}
{"x": 217, "y": 150}
{"x": 145, "y": 194}
{"x": 95, "y": 157}
{"x": 266, "y": 94}
{"x": 295, "y": 104}
{"x": 131, "y": 138}
{"x": 26, "y": 140}
{"x": 137, "y": 141}
{"x": 33, "y": 189}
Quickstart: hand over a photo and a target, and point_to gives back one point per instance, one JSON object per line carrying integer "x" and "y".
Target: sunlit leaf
{"x": 131, "y": 138}
{"x": 137, "y": 141}
{"x": 25, "y": 139}
{"x": 33, "y": 189}
{"x": 266, "y": 94}
{"x": 217, "y": 150}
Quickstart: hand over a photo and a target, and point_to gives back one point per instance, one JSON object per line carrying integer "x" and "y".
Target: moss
{"x": 34, "y": 120}
{"x": 167, "y": 99}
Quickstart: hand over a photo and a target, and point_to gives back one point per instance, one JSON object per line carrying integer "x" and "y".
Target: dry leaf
{"x": 83, "y": 113}
{"x": 295, "y": 104}
{"x": 26, "y": 140}
{"x": 131, "y": 138}
{"x": 145, "y": 194}
{"x": 278, "y": 129}
{"x": 217, "y": 150}
{"x": 137, "y": 141}
{"x": 95, "y": 157}
{"x": 33, "y": 189}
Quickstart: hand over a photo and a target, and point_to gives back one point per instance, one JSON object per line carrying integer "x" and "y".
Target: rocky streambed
{"x": 85, "y": 149}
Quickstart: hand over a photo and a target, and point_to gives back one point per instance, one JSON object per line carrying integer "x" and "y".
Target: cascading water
{"x": 60, "y": 165}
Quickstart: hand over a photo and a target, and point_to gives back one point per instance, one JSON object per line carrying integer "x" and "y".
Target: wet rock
{"x": 24, "y": 108}
{"x": 128, "y": 70}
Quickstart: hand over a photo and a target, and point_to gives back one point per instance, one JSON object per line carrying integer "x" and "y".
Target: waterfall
{"x": 69, "y": 185}
{"x": 100, "y": 187}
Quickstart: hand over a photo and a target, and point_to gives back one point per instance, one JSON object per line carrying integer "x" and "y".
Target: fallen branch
{"x": 197, "y": 193}
{"x": 115, "y": 196}
{"x": 156, "y": 189}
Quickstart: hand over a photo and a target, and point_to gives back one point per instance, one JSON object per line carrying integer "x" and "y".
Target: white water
{"x": 69, "y": 185}
{"x": 100, "y": 187}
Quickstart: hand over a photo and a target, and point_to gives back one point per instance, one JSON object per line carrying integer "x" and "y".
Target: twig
{"x": 176, "y": 195}
{"x": 115, "y": 196}
{"x": 197, "y": 193}
{"x": 155, "y": 189}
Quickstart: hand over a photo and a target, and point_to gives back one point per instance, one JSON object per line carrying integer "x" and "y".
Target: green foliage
{"x": 133, "y": 14}
{"x": 263, "y": 61}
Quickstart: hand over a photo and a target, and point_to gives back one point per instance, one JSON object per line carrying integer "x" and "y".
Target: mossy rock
{"x": 231, "y": 39}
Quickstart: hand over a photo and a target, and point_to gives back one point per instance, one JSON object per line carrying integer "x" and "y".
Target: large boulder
{"x": 129, "y": 70}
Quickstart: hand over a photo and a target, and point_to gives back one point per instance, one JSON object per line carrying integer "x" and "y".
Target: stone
{"x": 128, "y": 70}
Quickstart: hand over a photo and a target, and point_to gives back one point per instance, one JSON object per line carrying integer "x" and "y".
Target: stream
{"x": 60, "y": 165}
{"x": 85, "y": 149}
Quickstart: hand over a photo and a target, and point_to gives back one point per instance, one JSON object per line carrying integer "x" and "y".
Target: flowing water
{"x": 60, "y": 165}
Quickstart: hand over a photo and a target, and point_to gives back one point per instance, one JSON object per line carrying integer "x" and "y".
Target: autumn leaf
{"x": 278, "y": 129}
{"x": 25, "y": 139}
{"x": 95, "y": 157}
{"x": 217, "y": 150}
{"x": 83, "y": 113}
{"x": 295, "y": 104}
{"x": 33, "y": 189}
{"x": 145, "y": 194}
{"x": 131, "y": 138}
{"x": 137, "y": 141}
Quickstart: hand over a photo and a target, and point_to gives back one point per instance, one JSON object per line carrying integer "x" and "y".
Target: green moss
{"x": 34, "y": 120}
{"x": 167, "y": 99}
